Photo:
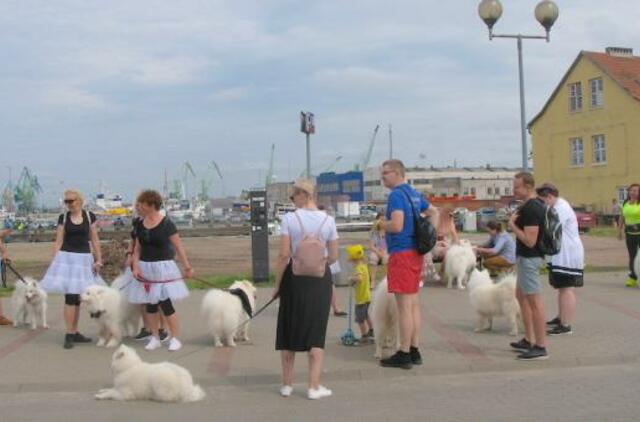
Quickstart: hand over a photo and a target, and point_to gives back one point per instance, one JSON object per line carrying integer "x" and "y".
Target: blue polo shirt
{"x": 398, "y": 201}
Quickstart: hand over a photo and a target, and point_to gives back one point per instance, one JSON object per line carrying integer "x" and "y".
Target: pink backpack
{"x": 309, "y": 258}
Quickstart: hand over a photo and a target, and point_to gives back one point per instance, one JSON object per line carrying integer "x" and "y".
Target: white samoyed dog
{"x": 29, "y": 304}
{"x": 490, "y": 300}
{"x": 384, "y": 316}
{"x": 460, "y": 260}
{"x": 138, "y": 380}
{"x": 108, "y": 307}
{"x": 224, "y": 313}
{"x": 131, "y": 313}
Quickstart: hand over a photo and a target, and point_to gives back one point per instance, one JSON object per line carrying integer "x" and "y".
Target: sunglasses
{"x": 69, "y": 201}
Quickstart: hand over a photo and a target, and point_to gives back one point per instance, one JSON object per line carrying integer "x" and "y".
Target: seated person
{"x": 499, "y": 252}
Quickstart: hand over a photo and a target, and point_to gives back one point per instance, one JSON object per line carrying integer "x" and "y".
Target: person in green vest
{"x": 630, "y": 226}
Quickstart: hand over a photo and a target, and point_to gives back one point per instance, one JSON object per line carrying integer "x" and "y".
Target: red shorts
{"x": 404, "y": 271}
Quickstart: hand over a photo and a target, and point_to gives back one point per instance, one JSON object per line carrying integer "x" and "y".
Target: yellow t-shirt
{"x": 362, "y": 289}
{"x": 631, "y": 213}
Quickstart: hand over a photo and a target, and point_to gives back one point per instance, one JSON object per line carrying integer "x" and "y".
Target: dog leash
{"x": 13, "y": 270}
{"x": 255, "y": 314}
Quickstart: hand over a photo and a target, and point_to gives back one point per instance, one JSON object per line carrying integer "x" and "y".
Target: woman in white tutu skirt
{"x": 73, "y": 268}
{"x": 159, "y": 280}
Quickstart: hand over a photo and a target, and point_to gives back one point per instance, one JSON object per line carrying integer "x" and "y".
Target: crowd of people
{"x": 307, "y": 259}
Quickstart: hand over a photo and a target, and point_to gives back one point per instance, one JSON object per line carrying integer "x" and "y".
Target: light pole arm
{"x": 520, "y": 36}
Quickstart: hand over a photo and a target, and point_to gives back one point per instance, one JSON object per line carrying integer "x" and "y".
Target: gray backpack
{"x": 309, "y": 258}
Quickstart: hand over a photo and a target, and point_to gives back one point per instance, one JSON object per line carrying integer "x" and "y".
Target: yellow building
{"x": 586, "y": 139}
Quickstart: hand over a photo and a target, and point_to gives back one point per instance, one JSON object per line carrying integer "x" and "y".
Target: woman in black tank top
{"x": 73, "y": 268}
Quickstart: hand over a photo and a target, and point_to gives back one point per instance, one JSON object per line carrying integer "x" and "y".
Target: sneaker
{"x": 286, "y": 390}
{"x": 399, "y": 360}
{"x": 79, "y": 338}
{"x": 523, "y": 344}
{"x": 68, "y": 341}
{"x": 319, "y": 393}
{"x": 174, "y": 345}
{"x": 535, "y": 353}
{"x": 631, "y": 282}
{"x": 340, "y": 313}
{"x": 559, "y": 330}
{"x": 154, "y": 343}
{"x": 144, "y": 334}
{"x": 555, "y": 321}
{"x": 163, "y": 335}
{"x": 416, "y": 357}
{"x": 5, "y": 321}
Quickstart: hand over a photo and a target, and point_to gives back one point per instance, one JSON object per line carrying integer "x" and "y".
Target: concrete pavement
{"x": 591, "y": 375}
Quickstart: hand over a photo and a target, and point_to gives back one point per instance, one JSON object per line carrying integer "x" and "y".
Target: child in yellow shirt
{"x": 361, "y": 284}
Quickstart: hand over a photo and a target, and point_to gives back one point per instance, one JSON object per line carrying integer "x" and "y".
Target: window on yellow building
{"x": 577, "y": 152}
{"x": 599, "y": 149}
{"x": 575, "y": 96}
{"x": 597, "y": 92}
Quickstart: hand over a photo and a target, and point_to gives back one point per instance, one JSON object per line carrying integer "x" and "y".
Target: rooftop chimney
{"x": 619, "y": 51}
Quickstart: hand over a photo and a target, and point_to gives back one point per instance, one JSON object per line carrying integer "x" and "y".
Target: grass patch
{"x": 224, "y": 281}
{"x": 6, "y": 291}
{"x": 603, "y": 231}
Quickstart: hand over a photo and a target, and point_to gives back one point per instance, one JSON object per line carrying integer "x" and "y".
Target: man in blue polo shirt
{"x": 405, "y": 263}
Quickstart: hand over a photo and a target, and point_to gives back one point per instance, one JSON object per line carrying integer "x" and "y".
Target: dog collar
{"x": 96, "y": 314}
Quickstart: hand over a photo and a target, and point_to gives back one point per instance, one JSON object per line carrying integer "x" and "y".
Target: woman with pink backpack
{"x": 309, "y": 244}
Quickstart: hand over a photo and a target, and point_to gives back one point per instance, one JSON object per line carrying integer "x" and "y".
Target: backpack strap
{"x": 319, "y": 232}
{"x": 304, "y": 233}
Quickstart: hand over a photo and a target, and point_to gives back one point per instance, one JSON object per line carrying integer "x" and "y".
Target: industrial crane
{"x": 329, "y": 168}
{"x": 186, "y": 171}
{"x": 213, "y": 165}
{"x": 269, "y": 179}
{"x": 26, "y": 191}
{"x": 367, "y": 158}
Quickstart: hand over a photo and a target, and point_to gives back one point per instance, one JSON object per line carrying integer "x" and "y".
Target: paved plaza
{"x": 592, "y": 375}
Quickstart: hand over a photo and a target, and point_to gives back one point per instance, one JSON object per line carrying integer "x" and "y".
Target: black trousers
{"x": 633, "y": 243}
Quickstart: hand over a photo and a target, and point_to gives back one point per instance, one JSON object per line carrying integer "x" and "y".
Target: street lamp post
{"x": 546, "y": 13}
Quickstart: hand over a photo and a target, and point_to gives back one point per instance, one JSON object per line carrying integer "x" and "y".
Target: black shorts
{"x": 562, "y": 280}
{"x": 362, "y": 311}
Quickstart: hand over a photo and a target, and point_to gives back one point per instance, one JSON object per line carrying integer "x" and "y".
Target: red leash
{"x": 148, "y": 283}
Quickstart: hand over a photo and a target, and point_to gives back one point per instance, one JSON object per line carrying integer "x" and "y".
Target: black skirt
{"x": 304, "y": 311}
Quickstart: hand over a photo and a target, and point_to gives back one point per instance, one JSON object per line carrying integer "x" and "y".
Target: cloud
{"x": 231, "y": 94}
{"x": 72, "y": 98}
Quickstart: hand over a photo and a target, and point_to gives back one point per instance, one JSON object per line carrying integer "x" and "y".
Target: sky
{"x": 108, "y": 95}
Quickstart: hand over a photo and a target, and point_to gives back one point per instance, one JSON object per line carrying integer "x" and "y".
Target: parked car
{"x": 586, "y": 220}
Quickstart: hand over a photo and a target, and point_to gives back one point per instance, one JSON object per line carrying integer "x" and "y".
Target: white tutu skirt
{"x": 125, "y": 282}
{"x": 158, "y": 271}
{"x": 70, "y": 273}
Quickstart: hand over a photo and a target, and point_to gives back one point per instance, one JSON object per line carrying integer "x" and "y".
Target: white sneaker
{"x": 320, "y": 393}
{"x": 174, "y": 345}
{"x": 153, "y": 344}
{"x": 286, "y": 390}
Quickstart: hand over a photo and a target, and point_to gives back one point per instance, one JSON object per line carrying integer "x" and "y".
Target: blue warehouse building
{"x": 339, "y": 187}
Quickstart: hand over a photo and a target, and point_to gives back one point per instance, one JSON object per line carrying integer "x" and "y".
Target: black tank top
{"x": 154, "y": 243}
{"x": 76, "y": 236}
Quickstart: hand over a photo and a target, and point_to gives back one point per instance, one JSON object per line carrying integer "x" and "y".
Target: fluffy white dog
{"x": 130, "y": 313}
{"x": 490, "y": 300}
{"x": 138, "y": 380}
{"x": 29, "y": 304}
{"x": 224, "y": 313}
{"x": 384, "y": 316}
{"x": 109, "y": 309}
{"x": 459, "y": 261}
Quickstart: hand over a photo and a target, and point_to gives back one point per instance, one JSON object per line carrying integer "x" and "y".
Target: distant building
{"x": 586, "y": 138}
{"x": 481, "y": 182}
{"x": 340, "y": 187}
